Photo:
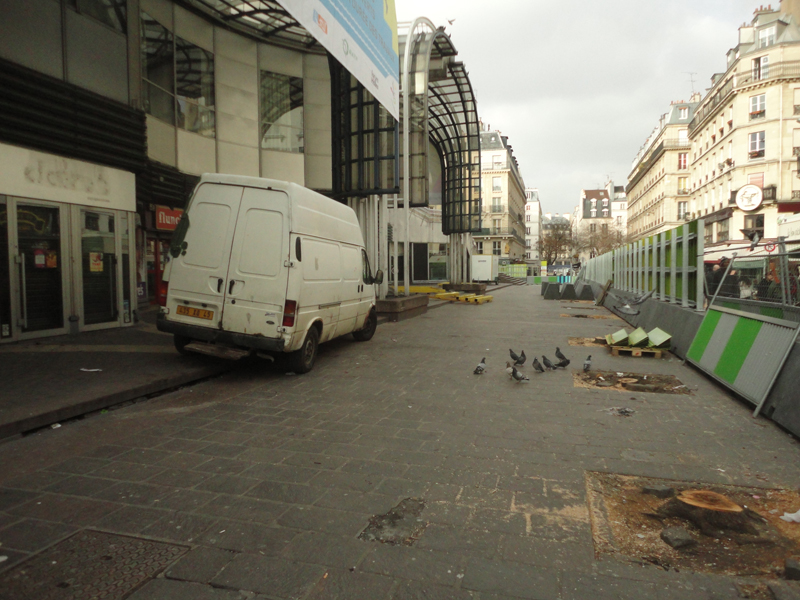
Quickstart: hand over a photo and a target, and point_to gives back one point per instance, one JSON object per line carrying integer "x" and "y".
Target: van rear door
{"x": 255, "y": 291}
{"x": 198, "y": 274}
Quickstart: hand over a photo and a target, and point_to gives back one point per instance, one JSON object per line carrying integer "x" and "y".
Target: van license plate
{"x": 198, "y": 313}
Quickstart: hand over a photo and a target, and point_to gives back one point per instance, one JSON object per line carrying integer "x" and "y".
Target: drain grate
{"x": 89, "y": 564}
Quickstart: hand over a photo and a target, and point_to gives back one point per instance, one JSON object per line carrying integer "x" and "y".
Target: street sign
{"x": 769, "y": 247}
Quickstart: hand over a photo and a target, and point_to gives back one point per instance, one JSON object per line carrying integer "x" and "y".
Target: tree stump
{"x": 713, "y": 514}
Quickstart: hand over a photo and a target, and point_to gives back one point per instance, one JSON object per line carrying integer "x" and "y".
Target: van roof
{"x": 306, "y": 206}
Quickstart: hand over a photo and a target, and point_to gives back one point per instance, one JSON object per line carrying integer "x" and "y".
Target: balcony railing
{"x": 796, "y": 195}
{"x": 501, "y": 232}
{"x": 745, "y": 76}
{"x": 497, "y": 208}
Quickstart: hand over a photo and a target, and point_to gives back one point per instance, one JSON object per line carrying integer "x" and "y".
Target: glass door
{"x": 99, "y": 267}
{"x": 39, "y": 262}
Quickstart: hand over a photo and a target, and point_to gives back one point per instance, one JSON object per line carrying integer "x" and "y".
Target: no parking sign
{"x": 769, "y": 247}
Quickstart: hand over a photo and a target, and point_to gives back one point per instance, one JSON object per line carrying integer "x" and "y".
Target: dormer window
{"x": 766, "y": 37}
{"x": 683, "y": 112}
{"x": 594, "y": 212}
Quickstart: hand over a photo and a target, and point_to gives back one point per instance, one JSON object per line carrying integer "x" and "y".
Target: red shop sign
{"x": 166, "y": 218}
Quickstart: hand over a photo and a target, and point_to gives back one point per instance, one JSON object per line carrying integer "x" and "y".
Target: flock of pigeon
{"x": 519, "y": 360}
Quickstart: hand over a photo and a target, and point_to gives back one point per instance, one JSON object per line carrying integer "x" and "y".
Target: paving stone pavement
{"x": 268, "y": 478}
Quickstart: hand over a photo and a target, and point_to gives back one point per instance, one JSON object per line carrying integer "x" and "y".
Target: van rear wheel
{"x": 302, "y": 360}
{"x": 365, "y": 335}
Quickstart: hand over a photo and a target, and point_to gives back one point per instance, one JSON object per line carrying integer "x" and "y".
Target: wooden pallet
{"x": 633, "y": 351}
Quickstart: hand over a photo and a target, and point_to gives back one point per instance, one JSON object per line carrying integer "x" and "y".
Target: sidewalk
{"x": 259, "y": 483}
{"x": 42, "y": 381}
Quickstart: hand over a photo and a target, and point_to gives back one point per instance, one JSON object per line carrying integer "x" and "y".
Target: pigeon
{"x": 627, "y": 309}
{"x": 520, "y": 360}
{"x": 642, "y": 298}
{"x": 562, "y": 363}
{"x": 560, "y": 355}
{"x": 509, "y": 369}
{"x": 479, "y": 370}
{"x": 587, "y": 364}
{"x": 514, "y": 355}
{"x": 517, "y": 376}
{"x": 537, "y": 366}
{"x": 547, "y": 364}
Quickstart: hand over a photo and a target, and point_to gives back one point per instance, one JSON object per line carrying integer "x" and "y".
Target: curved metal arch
{"x": 450, "y": 123}
{"x": 266, "y": 20}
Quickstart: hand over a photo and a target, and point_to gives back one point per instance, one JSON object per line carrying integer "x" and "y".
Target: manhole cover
{"x": 628, "y": 523}
{"x": 631, "y": 382}
{"x": 402, "y": 525}
{"x": 90, "y": 564}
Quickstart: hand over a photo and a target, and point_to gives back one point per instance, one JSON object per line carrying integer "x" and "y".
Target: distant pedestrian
{"x": 722, "y": 284}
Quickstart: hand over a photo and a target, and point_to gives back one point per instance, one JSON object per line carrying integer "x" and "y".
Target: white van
{"x": 266, "y": 266}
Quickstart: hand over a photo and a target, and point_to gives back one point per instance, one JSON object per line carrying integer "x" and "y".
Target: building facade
{"x": 600, "y": 221}
{"x": 114, "y": 108}
{"x": 556, "y": 244}
{"x": 533, "y": 227}
{"x": 658, "y": 187}
{"x": 745, "y": 135}
{"x": 503, "y": 196}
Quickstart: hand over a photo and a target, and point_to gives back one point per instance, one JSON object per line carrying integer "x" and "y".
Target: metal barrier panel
{"x": 743, "y": 351}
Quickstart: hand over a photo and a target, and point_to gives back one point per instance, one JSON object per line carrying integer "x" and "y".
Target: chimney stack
{"x": 791, "y": 7}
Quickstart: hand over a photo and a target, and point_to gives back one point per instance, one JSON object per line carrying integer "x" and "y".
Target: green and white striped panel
{"x": 744, "y": 351}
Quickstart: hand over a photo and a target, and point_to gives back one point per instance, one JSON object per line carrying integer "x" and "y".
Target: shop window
{"x": 281, "y": 112}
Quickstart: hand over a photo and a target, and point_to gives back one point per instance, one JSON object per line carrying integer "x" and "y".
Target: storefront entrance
{"x": 43, "y": 292}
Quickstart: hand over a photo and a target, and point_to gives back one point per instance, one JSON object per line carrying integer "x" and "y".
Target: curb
{"x": 76, "y": 410}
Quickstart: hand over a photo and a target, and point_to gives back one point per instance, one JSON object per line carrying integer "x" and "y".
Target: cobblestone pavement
{"x": 268, "y": 478}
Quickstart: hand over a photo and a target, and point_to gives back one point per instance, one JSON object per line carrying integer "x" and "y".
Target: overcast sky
{"x": 578, "y": 86}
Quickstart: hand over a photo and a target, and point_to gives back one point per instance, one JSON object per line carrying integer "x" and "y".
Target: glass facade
{"x": 178, "y": 79}
{"x": 281, "y": 112}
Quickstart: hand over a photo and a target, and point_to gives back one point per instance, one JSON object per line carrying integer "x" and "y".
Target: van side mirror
{"x": 378, "y": 277}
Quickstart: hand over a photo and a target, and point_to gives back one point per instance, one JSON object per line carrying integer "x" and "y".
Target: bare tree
{"x": 605, "y": 238}
{"x": 555, "y": 243}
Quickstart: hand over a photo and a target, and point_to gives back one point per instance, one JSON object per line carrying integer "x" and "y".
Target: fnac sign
{"x": 166, "y": 218}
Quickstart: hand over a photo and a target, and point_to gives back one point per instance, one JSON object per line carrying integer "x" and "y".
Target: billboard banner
{"x": 362, "y": 35}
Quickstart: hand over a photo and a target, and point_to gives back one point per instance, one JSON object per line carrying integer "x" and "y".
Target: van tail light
{"x": 289, "y": 313}
{"x": 161, "y": 294}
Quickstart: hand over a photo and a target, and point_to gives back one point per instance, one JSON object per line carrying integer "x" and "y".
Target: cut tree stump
{"x": 713, "y": 514}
